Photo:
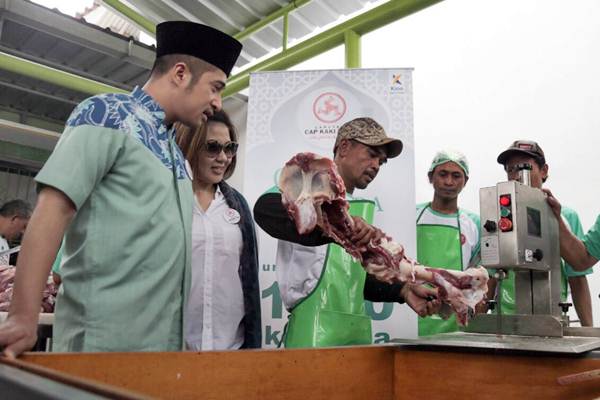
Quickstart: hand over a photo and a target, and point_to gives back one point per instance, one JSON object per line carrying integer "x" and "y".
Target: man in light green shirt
{"x": 117, "y": 189}
{"x": 580, "y": 253}
{"x": 525, "y": 151}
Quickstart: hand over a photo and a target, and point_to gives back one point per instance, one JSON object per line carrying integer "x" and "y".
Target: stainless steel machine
{"x": 519, "y": 235}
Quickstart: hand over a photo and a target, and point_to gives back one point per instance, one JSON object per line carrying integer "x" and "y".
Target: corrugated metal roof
{"x": 46, "y": 36}
{"x": 234, "y": 16}
{"x": 99, "y": 15}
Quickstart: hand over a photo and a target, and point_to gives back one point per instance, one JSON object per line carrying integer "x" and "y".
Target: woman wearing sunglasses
{"x": 223, "y": 309}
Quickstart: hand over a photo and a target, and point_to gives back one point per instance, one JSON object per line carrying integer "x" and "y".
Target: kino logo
{"x": 329, "y": 107}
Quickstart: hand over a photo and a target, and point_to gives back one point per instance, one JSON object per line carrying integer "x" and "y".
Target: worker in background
{"x": 447, "y": 236}
{"x": 526, "y": 151}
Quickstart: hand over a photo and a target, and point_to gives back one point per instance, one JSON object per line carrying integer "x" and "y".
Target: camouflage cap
{"x": 367, "y": 131}
{"x": 528, "y": 147}
{"x": 454, "y": 156}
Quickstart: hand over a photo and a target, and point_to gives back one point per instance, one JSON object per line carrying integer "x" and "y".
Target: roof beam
{"x": 352, "y": 47}
{"x": 258, "y": 25}
{"x": 26, "y": 135}
{"x": 39, "y": 93}
{"x": 19, "y": 153}
{"x": 181, "y": 10}
{"x": 132, "y": 16}
{"x": 216, "y": 11}
{"x": 16, "y": 114}
{"x": 148, "y": 26}
{"x": 256, "y": 15}
{"x": 361, "y": 24}
{"x": 63, "y": 67}
{"x": 51, "y": 75}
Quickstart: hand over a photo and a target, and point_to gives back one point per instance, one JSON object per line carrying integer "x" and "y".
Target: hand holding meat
{"x": 314, "y": 195}
{"x": 365, "y": 233}
{"x": 422, "y": 299}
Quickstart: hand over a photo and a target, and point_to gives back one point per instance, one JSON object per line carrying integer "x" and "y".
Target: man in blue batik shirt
{"x": 116, "y": 187}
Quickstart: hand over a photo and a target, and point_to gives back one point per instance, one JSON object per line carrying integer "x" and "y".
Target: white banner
{"x": 296, "y": 111}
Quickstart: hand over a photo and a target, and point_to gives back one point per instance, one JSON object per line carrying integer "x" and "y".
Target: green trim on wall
{"x": 13, "y": 152}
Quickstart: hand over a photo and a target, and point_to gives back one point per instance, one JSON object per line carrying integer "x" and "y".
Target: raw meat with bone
{"x": 7, "y": 280}
{"x": 314, "y": 195}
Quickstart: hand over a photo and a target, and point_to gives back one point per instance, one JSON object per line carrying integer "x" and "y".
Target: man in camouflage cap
{"x": 361, "y": 147}
{"x": 447, "y": 236}
{"x": 321, "y": 285}
{"x": 367, "y": 131}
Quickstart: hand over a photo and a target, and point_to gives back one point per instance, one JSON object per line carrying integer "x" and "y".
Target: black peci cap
{"x": 197, "y": 40}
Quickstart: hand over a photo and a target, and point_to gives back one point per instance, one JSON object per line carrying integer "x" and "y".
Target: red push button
{"x": 505, "y": 224}
{"x": 505, "y": 201}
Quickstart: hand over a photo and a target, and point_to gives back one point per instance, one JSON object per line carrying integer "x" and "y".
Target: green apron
{"x": 438, "y": 246}
{"x": 333, "y": 314}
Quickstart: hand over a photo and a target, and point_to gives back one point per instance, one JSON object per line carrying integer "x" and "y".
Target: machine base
{"x": 565, "y": 344}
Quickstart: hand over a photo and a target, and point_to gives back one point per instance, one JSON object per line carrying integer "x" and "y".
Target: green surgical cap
{"x": 456, "y": 157}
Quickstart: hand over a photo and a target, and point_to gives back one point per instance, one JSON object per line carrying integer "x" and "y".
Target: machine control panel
{"x": 518, "y": 227}
{"x": 490, "y": 226}
{"x": 506, "y": 216}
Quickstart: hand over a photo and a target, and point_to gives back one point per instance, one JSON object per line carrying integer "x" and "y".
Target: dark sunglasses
{"x": 214, "y": 148}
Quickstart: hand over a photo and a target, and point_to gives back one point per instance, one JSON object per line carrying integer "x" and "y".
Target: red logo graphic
{"x": 463, "y": 239}
{"x": 329, "y": 107}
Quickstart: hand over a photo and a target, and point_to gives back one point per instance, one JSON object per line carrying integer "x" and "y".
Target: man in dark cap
{"x": 116, "y": 187}
{"x": 322, "y": 287}
{"x": 527, "y": 151}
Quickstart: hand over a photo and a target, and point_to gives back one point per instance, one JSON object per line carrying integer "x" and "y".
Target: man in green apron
{"x": 447, "y": 236}
{"x": 322, "y": 287}
{"x": 117, "y": 189}
{"x": 525, "y": 151}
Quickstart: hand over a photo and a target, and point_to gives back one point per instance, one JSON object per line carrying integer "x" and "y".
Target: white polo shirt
{"x": 4, "y": 260}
